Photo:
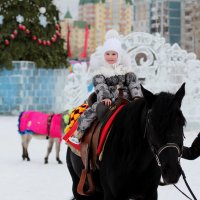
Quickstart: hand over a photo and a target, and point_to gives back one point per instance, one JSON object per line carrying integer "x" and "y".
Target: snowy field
{"x": 22, "y": 180}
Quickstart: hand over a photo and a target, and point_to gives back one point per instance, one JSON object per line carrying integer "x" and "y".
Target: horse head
{"x": 164, "y": 131}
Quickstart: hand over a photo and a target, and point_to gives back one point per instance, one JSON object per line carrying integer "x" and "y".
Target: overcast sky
{"x": 63, "y": 5}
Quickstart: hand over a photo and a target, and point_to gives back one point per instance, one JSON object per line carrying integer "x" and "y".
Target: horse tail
{"x": 19, "y": 122}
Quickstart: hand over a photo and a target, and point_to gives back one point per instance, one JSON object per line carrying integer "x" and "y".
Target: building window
{"x": 174, "y": 22}
{"x": 174, "y": 39}
{"x": 175, "y": 5}
{"x": 175, "y": 13}
{"x": 174, "y": 30}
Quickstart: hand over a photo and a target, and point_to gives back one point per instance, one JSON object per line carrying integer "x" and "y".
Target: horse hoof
{"x": 59, "y": 161}
{"x": 45, "y": 160}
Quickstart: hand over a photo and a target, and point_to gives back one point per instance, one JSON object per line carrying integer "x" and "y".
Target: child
{"x": 107, "y": 79}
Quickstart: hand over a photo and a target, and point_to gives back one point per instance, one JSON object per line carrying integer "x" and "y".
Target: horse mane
{"x": 126, "y": 132}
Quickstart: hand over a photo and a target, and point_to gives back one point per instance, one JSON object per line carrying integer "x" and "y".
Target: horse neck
{"x": 134, "y": 132}
{"x": 128, "y": 140}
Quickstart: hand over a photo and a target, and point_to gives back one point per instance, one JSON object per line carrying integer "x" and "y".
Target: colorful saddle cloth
{"x": 73, "y": 115}
{"x": 35, "y": 122}
{"x": 104, "y": 133}
{"x": 72, "y": 126}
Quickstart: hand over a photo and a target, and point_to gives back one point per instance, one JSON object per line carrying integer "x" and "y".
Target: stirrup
{"x": 74, "y": 140}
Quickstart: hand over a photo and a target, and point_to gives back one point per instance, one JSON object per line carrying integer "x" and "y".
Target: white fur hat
{"x": 112, "y": 33}
{"x": 112, "y": 42}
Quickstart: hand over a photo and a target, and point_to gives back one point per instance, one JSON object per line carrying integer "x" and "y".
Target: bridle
{"x": 162, "y": 148}
{"x": 156, "y": 153}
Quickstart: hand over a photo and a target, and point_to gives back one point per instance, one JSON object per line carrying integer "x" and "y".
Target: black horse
{"x": 145, "y": 142}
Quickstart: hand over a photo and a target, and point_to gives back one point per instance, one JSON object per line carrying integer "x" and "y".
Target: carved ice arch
{"x": 161, "y": 66}
{"x": 76, "y": 89}
{"x": 150, "y": 50}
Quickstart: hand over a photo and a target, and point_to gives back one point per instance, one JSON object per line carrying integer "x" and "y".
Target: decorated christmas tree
{"x": 29, "y": 30}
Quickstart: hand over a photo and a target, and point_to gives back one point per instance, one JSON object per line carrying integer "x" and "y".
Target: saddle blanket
{"x": 104, "y": 134}
{"x": 35, "y": 122}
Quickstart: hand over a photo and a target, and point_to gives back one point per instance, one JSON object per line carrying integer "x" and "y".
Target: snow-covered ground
{"x": 22, "y": 180}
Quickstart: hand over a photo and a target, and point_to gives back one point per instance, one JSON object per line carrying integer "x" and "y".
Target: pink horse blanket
{"x": 37, "y": 123}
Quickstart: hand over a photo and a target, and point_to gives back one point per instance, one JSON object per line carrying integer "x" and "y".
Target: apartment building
{"x": 77, "y": 30}
{"x": 190, "y": 39}
{"x": 103, "y": 15}
{"x": 166, "y": 19}
{"x": 141, "y": 15}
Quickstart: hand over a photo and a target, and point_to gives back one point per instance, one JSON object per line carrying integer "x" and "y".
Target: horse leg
{"x": 29, "y": 137}
{"x": 75, "y": 178}
{"x": 49, "y": 149}
{"x": 58, "y": 151}
{"x": 25, "y": 142}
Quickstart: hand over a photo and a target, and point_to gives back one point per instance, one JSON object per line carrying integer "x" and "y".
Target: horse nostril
{"x": 171, "y": 175}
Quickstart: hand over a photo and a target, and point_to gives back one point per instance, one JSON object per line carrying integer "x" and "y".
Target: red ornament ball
{"x": 53, "y": 39}
{"x": 7, "y": 42}
{"x": 20, "y": 26}
{"x": 23, "y": 27}
{"x": 15, "y": 32}
{"x": 39, "y": 41}
{"x": 27, "y": 31}
{"x": 44, "y": 42}
{"x": 12, "y": 36}
{"x": 34, "y": 37}
{"x": 48, "y": 43}
{"x": 57, "y": 27}
{"x": 58, "y": 32}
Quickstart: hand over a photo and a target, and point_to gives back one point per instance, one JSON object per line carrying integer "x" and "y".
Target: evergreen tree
{"x": 29, "y": 30}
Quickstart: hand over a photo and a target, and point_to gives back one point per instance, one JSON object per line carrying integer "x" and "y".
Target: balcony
{"x": 188, "y": 17}
{"x": 155, "y": 25}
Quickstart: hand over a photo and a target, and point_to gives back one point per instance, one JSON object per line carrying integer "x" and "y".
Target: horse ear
{"x": 148, "y": 96}
{"x": 180, "y": 94}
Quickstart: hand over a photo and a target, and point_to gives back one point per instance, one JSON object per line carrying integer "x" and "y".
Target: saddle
{"x": 89, "y": 150}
